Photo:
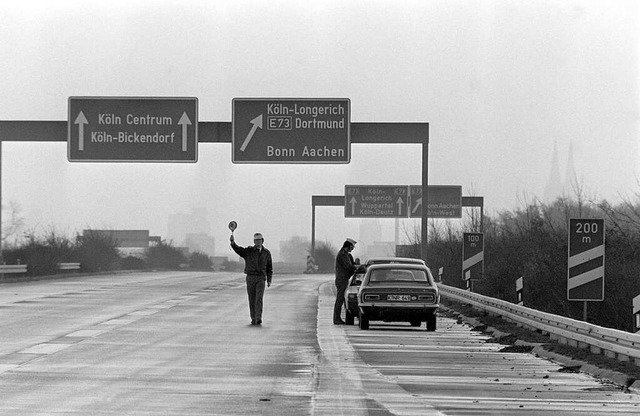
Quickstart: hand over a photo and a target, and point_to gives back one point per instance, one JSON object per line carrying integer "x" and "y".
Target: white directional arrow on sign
{"x": 184, "y": 121}
{"x": 400, "y": 202}
{"x": 81, "y": 120}
{"x": 418, "y": 205}
{"x": 353, "y": 201}
{"x": 257, "y": 122}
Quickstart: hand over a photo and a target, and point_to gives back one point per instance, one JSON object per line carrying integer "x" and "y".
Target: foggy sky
{"x": 499, "y": 82}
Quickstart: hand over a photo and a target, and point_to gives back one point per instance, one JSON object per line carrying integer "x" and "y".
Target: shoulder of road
{"x": 518, "y": 339}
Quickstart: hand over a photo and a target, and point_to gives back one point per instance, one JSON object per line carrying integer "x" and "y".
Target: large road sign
{"x": 376, "y": 201}
{"x": 132, "y": 129}
{"x": 445, "y": 201}
{"x": 472, "y": 256}
{"x": 303, "y": 130}
{"x": 585, "y": 271}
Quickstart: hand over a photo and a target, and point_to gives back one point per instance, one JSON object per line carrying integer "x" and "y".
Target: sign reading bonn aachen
{"x": 445, "y": 201}
{"x": 132, "y": 129}
{"x": 291, "y": 130}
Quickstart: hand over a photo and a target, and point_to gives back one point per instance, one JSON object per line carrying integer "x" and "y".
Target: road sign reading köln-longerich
{"x": 303, "y": 130}
{"x": 376, "y": 201}
{"x": 132, "y": 129}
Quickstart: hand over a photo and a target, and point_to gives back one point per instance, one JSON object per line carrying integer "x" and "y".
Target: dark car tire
{"x": 363, "y": 321}
{"x": 431, "y": 323}
{"x": 349, "y": 318}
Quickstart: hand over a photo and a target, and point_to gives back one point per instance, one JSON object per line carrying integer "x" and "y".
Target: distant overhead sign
{"x": 303, "y": 130}
{"x": 132, "y": 129}
{"x": 445, "y": 201}
{"x": 376, "y": 201}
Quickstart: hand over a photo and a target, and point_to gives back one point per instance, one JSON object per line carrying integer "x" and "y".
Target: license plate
{"x": 401, "y": 298}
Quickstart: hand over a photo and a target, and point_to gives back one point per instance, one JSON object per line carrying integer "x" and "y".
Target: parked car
{"x": 351, "y": 294}
{"x": 397, "y": 292}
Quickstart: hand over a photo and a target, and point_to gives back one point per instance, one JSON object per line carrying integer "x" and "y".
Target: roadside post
{"x": 519, "y": 287}
{"x": 636, "y": 314}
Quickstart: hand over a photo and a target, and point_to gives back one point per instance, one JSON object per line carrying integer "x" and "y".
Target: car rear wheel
{"x": 431, "y": 322}
{"x": 348, "y": 319}
{"x": 363, "y": 321}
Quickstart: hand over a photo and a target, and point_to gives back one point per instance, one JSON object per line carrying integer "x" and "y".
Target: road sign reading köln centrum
{"x": 132, "y": 129}
{"x": 306, "y": 130}
{"x": 376, "y": 201}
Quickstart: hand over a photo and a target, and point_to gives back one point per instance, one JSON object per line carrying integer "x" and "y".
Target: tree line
{"x": 96, "y": 252}
{"x": 532, "y": 242}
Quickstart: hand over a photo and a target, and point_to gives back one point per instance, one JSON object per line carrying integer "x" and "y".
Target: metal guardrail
{"x": 13, "y": 268}
{"x": 68, "y": 266}
{"x": 611, "y": 342}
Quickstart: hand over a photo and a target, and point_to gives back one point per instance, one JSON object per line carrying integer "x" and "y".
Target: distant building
{"x": 180, "y": 225}
{"x": 555, "y": 186}
{"x": 201, "y": 242}
{"x": 128, "y": 242}
{"x": 370, "y": 232}
{"x": 381, "y": 249}
{"x": 295, "y": 249}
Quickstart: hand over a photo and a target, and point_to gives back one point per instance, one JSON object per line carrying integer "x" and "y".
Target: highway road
{"x": 180, "y": 343}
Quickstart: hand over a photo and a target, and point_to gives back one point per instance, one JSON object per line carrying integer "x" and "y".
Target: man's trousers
{"x": 255, "y": 290}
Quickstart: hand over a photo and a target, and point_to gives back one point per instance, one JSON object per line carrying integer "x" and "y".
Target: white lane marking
{"x": 346, "y": 396}
{"x": 85, "y": 333}
{"x": 45, "y": 348}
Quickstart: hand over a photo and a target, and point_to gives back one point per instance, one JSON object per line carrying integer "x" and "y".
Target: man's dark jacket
{"x": 256, "y": 262}
{"x": 344, "y": 265}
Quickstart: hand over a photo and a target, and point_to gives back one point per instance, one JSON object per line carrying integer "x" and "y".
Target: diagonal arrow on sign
{"x": 418, "y": 205}
{"x": 81, "y": 120}
{"x": 257, "y": 122}
{"x": 184, "y": 121}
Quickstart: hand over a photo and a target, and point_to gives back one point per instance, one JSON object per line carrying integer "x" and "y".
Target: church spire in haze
{"x": 554, "y": 187}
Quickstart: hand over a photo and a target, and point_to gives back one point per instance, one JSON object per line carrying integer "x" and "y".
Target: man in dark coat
{"x": 259, "y": 268}
{"x": 345, "y": 266}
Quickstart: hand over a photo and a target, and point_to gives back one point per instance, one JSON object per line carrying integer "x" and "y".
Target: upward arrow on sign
{"x": 81, "y": 120}
{"x": 184, "y": 122}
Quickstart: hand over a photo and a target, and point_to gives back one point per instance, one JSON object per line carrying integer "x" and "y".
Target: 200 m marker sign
{"x": 585, "y": 271}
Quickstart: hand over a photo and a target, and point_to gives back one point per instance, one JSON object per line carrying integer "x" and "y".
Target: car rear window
{"x": 391, "y": 275}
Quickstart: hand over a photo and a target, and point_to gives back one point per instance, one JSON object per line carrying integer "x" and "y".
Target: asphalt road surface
{"x": 181, "y": 343}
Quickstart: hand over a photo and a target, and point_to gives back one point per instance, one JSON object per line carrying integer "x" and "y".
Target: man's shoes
{"x": 259, "y": 322}
{"x": 340, "y": 322}
{"x": 253, "y": 322}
